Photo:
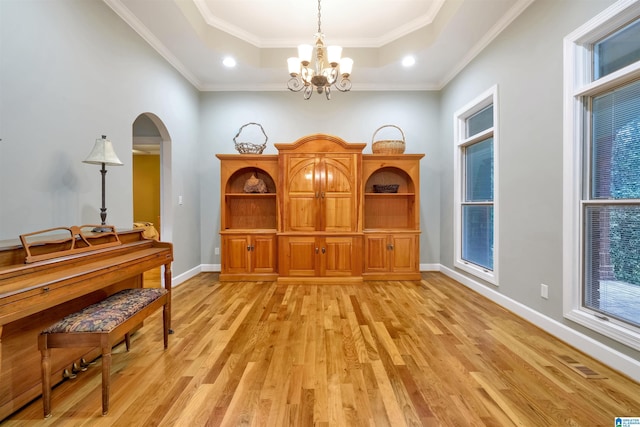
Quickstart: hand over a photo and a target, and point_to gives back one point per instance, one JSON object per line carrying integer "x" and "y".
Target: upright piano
{"x": 42, "y": 279}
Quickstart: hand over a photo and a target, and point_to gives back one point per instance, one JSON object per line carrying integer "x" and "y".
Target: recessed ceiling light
{"x": 229, "y": 62}
{"x": 408, "y": 61}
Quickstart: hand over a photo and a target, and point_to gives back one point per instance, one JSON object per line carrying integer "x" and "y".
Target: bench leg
{"x": 166, "y": 318}
{"x": 46, "y": 381}
{"x": 106, "y": 378}
{"x": 127, "y": 341}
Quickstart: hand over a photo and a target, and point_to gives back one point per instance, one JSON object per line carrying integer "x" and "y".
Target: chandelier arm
{"x": 332, "y": 76}
{"x": 308, "y": 91}
{"x": 295, "y": 84}
{"x": 344, "y": 85}
{"x": 306, "y": 75}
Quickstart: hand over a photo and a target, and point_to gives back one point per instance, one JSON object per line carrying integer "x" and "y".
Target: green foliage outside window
{"x": 625, "y": 222}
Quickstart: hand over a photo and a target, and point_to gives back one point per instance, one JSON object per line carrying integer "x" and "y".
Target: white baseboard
{"x": 211, "y": 267}
{"x": 181, "y": 278}
{"x": 607, "y": 355}
{"x": 430, "y": 267}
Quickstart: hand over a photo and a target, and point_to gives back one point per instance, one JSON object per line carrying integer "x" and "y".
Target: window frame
{"x": 461, "y": 141}
{"x": 579, "y": 87}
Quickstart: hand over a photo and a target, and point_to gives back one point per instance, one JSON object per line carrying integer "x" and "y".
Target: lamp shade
{"x": 346, "y": 66}
{"x": 103, "y": 152}
{"x": 333, "y": 54}
{"x": 304, "y": 53}
{"x": 294, "y": 66}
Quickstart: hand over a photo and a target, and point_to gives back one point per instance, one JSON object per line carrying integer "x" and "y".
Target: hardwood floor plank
{"x": 394, "y": 353}
{"x": 167, "y": 401}
{"x": 383, "y": 336}
{"x": 261, "y": 417}
{"x": 336, "y": 415}
{"x": 198, "y": 408}
{"x": 391, "y": 404}
{"x": 417, "y": 399}
{"x": 370, "y": 344}
{"x": 245, "y": 398}
{"x": 360, "y": 398}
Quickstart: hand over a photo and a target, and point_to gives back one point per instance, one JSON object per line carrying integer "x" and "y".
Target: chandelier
{"x": 321, "y": 76}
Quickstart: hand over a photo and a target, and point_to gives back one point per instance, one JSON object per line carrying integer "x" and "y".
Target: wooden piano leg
{"x": 46, "y": 375}
{"x": 106, "y": 378}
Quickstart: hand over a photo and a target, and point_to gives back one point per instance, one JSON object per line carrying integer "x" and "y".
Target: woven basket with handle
{"x": 387, "y": 146}
{"x": 248, "y": 147}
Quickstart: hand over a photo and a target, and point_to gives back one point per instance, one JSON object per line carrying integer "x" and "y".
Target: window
{"x": 602, "y": 159}
{"x": 475, "y": 180}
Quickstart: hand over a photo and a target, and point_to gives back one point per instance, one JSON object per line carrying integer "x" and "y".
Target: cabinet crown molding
{"x": 321, "y": 143}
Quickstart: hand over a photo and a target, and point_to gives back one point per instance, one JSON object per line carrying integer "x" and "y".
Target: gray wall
{"x": 72, "y": 70}
{"x": 526, "y": 62}
{"x": 354, "y": 117}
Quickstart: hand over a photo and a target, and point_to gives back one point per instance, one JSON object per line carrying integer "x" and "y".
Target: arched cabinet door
{"x": 321, "y": 193}
{"x": 301, "y": 193}
{"x": 338, "y": 194}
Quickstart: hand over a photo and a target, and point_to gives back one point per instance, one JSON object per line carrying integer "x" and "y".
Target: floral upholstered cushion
{"x": 105, "y": 315}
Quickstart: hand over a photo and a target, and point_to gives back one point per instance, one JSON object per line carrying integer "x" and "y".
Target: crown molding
{"x": 373, "y": 42}
{"x": 361, "y": 87}
{"x": 123, "y": 12}
{"x": 503, "y": 23}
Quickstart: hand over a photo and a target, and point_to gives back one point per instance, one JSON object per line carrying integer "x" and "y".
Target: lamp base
{"x": 101, "y": 229}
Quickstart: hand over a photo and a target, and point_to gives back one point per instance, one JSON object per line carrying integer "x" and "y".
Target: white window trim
{"x": 577, "y": 83}
{"x": 488, "y": 97}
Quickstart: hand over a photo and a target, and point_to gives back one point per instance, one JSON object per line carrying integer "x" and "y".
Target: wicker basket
{"x": 386, "y": 188}
{"x": 387, "y": 146}
{"x": 248, "y": 147}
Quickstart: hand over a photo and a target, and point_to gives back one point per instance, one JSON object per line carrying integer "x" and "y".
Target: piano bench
{"x": 101, "y": 325}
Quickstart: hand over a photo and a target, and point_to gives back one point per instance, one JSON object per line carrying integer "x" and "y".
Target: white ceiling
{"x": 195, "y": 36}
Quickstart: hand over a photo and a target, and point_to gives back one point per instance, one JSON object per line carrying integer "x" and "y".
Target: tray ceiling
{"x": 196, "y": 35}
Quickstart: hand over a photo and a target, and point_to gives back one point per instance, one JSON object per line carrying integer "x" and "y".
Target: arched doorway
{"x": 152, "y": 174}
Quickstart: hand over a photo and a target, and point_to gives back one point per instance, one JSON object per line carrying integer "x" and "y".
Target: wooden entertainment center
{"x": 320, "y": 219}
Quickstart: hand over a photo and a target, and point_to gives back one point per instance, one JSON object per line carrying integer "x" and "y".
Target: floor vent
{"x": 583, "y": 370}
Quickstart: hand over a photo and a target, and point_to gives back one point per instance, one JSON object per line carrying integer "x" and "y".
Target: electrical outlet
{"x": 180, "y": 200}
{"x": 217, "y": 251}
{"x": 544, "y": 291}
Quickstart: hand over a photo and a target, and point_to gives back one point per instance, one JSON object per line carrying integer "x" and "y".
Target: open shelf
{"x": 395, "y": 212}
{"x": 235, "y": 184}
{"x": 250, "y": 211}
{"x": 390, "y": 211}
{"x": 249, "y": 195}
{"x": 383, "y": 195}
{"x": 390, "y": 175}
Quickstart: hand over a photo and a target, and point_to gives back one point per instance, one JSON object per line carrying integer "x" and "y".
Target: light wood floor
{"x": 381, "y": 353}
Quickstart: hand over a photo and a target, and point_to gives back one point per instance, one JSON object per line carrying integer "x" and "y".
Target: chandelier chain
{"x": 319, "y": 30}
